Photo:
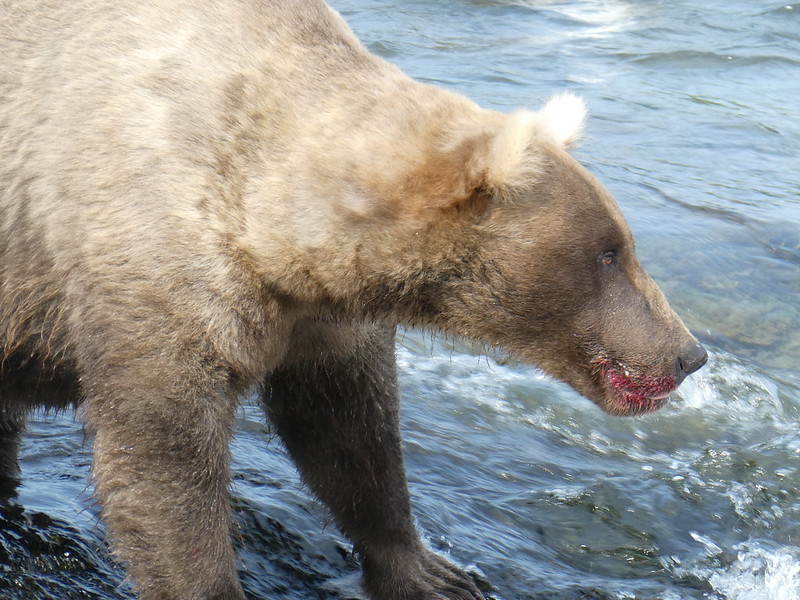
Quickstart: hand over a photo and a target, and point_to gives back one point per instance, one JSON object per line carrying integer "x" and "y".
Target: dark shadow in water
{"x": 42, "y": 558}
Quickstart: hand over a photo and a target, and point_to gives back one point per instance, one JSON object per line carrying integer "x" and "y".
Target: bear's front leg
{"x": 161, "y": 470}
{"x": 335, "y": 405}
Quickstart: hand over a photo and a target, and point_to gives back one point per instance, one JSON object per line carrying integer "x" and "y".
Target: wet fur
{"x": 198, "y": 198}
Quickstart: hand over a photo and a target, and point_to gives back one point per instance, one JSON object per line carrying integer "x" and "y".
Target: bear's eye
{"x": 608, "y": 259}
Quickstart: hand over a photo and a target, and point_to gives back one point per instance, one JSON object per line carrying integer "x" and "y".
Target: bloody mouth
{"x": 635, "y": 394}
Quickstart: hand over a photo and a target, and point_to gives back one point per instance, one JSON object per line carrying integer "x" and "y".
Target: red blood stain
{"x": 636, "y": 392}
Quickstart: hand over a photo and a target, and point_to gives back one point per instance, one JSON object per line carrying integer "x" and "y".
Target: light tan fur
{"x": 327, "y": 160}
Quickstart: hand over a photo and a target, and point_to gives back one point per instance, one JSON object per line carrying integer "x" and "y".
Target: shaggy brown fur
{"x": 197, "y": 197}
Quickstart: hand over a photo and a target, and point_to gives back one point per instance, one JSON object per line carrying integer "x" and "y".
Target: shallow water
{"x": 695, "y": 129}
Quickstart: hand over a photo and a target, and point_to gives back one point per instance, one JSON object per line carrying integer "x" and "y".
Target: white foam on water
{"x": 760, "y": 574}
{"x": 757, "y": 573}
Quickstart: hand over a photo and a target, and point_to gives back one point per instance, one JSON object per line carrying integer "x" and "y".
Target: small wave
{"x": 597, "y": 20}
{"x": 785, "y": 10}
{"x": 476, "y": 379}
{"x": 700, "y": 59}
{"x": 732, "y": 389}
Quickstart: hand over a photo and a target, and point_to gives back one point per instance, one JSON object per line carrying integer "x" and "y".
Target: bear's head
{"x": 519, "y": 246}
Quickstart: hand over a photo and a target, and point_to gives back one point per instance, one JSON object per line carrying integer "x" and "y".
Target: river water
{"x": 695, "y": 128}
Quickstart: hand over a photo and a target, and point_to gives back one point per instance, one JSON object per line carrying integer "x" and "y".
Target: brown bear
{"x": 199, "y": 198}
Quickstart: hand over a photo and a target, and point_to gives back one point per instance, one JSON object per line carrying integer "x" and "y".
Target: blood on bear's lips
{"x": 635, "y": 394}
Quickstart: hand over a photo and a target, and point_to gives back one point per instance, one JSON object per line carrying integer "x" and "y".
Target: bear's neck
{"x": 345, "y": 204}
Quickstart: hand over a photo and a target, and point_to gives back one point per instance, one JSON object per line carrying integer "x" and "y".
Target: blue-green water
{"x": 695, "y": 128}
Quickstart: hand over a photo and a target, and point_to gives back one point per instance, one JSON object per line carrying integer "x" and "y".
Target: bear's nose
{"x": 692, "y": 358}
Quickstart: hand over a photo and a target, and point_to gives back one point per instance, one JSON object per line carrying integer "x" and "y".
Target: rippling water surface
{"x": 695, "y": 129}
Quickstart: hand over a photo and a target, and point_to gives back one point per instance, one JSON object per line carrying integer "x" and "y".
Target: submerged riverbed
{"x": 695, "y": 128}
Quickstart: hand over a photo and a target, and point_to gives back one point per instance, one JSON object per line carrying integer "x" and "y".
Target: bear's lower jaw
{"x": 628, "y": 395}
{"x": 628, "y": 405}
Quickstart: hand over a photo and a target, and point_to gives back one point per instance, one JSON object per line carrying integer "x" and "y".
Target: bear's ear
{"x": 514, "y": 157}
{"x": 497, "y": 155}
{"x": 562, "y": 118}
